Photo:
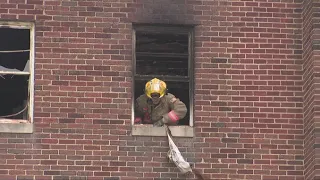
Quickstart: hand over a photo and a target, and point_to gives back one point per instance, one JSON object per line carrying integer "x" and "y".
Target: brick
{"x": 255, "y": 74}
{"x": 25, "y": 178}
{"x": 245, "y": 161}
{"x": 78, "y": 178}
{"x": 52, "y": 172}
{"x": 111, "y": 178}
{"x": 219, "y": 60}
{"x": 60, "y": 177}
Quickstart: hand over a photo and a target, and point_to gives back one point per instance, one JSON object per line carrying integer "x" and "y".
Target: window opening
{"x": 14, "y": 72}
{"x": 165, "y": 53}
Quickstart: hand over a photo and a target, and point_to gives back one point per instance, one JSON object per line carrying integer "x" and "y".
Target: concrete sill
{"x": 25, "y": 127}
{"x": 149, "y": 130}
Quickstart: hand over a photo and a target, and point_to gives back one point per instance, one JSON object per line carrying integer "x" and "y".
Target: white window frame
{"x": 147, "y": 129}
{"x": 21, "y": 126}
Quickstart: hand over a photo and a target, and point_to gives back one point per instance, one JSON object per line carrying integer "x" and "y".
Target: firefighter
{"x": 158, "y": 107}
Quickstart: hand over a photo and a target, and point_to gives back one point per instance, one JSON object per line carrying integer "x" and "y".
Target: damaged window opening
{"x": 165, "y": 52}
{"x": 15, "y": 71}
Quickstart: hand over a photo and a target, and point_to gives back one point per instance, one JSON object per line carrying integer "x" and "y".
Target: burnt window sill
{"x": 16, "y": 126}
{"x": 150, "y": 130}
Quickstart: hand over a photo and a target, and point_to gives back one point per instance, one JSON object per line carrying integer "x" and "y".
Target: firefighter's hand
{"x": 165, "y": 121}
{"x": 158, "y": 123}
{"x": 161, "y": 122}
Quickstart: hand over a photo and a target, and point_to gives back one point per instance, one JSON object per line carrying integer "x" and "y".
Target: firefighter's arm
{"x": 178, "y": 111}
{"x": 138, "y": 114}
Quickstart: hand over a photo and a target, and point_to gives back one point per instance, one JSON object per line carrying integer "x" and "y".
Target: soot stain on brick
{"x": 164, "y": 11}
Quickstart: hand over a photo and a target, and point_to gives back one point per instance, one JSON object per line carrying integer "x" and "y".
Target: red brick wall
{"x": 309, "y": 89}
{"x": 311, "y": 44}
{"x": 248, "y": 91}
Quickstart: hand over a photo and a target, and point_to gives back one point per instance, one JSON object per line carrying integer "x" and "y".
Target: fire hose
{"x": 175, "y": 156}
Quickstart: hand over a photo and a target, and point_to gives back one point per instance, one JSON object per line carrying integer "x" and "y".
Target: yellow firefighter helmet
{"x": 155, "y": 86}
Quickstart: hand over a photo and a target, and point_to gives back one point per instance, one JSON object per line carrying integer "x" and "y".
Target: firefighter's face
{"x": 155, "y": 98}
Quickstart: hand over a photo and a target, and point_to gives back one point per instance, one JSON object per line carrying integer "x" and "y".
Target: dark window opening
{"x": 14, "y": 95}
{"x": 165, "y": 53}
{"x": 14, "y": 72}
{"x": 162, "y": 54}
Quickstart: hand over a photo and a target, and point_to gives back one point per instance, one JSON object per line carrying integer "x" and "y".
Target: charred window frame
{"x": 16, "y": 76}
{"x": 164, "y": 52}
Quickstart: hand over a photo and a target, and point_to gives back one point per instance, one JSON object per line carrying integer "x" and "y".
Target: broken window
{"x": 15, "y": 71}
{"x": 165, "y": 52}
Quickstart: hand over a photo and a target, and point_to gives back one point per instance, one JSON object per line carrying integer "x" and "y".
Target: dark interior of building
{"x": 14, "y": 57}
{"x": 164, "y": 56}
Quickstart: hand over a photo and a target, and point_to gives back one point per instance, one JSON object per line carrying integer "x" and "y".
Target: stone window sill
{"x": 16, "y": 126}
{"x": 149, "y": 130}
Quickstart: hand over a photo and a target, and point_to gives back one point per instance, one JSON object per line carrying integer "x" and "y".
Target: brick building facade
{"x": 253, "y": 81}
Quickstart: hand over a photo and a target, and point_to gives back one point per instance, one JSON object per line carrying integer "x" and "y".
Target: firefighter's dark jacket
{"x": 170, "y": 108}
